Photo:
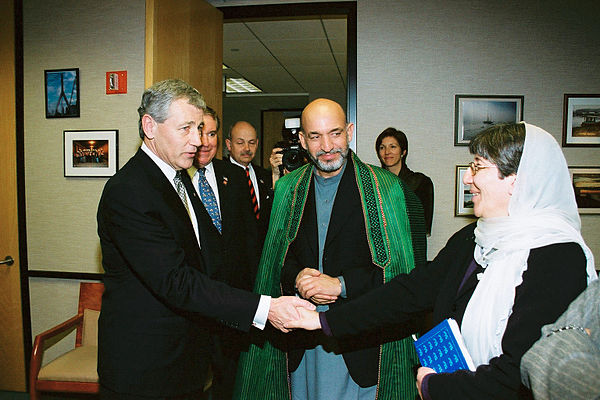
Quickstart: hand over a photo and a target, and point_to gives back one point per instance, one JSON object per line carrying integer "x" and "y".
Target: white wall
{"x": 413, "y": 57}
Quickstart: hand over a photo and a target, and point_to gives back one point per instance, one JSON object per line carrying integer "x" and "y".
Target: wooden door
{"x": 184, "y": 39}
{"x": 12, "y": 352}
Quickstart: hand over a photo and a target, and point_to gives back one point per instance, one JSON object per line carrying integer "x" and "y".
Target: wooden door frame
{"x": 20, "y": 171}
{"x": 291, "y": 11}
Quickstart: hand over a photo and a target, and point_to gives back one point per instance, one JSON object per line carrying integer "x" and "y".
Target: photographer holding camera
{"x": 288, "y": 154}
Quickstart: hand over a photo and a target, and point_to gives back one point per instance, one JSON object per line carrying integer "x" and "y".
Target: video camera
{"x": 294, "y": 156}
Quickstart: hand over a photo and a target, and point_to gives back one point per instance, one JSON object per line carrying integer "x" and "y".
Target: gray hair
{"x": 502, "y": 145}
{"x": 157, "y": 99}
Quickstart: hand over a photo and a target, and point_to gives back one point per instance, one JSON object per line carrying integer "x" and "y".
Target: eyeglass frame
{"x": 475, "y": 168}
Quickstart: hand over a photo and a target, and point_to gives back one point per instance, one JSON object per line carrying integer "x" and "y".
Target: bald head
{"x": 242, "y": 142}
{"x": 321, "y": 111}
{"x": 326, "y": 135}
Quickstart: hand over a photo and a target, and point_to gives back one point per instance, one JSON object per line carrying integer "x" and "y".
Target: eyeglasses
{"x": 475, "y": 168}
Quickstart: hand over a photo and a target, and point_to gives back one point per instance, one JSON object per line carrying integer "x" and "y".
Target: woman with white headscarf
{"x": 502, "y": 278}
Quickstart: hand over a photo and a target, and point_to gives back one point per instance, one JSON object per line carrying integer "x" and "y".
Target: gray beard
{"x": 332, "y": 165}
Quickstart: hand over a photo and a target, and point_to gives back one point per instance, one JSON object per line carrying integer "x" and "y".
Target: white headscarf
{"x": 542, "y": 211}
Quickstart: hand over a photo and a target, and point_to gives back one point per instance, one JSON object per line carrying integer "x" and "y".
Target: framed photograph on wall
{"x": 474, "y": 113}
{"x": 463, "y": 203}
{"x": 581, "y": 120}
{"x": 586, "y": 183}
{"x": 90, "y": 153}
{"x": 62, "y": 93}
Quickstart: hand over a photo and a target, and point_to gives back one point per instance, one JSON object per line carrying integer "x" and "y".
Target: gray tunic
{"x": 322, "y": 373}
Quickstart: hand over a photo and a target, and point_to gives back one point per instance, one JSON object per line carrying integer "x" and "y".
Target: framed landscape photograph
{"x": 463, "y": 204}
{"x": 90, "y": 153}
{"x": 586, "y": 183}
{"x": 581, "y": 120}
{"x": 474, "y": 113}
{"x": 62, "y": 93}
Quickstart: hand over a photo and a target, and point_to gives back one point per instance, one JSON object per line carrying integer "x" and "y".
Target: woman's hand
{"x": 422, "y": 372}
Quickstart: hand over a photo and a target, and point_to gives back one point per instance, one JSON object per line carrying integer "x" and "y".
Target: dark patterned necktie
{"x": 208, "y": 199}
{"x": 252, "y": 194}
{"x": 180, "y": 188}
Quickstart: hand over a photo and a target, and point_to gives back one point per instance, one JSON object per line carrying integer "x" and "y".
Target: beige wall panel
{"x": 95, "y": 37}
{"x": 413, "y": 57}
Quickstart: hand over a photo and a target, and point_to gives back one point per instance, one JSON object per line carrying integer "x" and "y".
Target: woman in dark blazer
{"x": 392, "y": 149}
{"x": 501, "y": 278}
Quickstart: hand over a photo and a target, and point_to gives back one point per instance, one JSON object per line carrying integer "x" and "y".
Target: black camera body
{"x": 294, "y": 155}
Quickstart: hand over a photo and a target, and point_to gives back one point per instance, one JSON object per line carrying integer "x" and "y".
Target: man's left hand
{"x": 321, "y": 289}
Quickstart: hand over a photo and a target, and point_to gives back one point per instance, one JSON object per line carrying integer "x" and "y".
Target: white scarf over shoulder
{"x": 542, "y": 211}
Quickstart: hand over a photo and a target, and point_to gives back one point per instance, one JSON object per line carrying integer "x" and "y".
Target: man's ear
{"x": 228, "y": 144}
{"x": 302, "y": 140}
{"x": 148, "y": 125}
{"x": 350, "y": 130}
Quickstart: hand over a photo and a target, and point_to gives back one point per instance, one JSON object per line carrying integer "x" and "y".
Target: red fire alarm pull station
{"x": 116, "y": 82}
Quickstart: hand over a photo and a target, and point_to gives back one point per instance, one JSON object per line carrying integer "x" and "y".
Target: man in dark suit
{"x": 242, "y": 143}
{"x": 228, "y": 248}
{"x": 158, "y": 299}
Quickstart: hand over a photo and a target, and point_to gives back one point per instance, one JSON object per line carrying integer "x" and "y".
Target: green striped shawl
{"x": 262, "y": 371}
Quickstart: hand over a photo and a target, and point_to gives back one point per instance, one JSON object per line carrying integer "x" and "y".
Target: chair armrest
{"x": 38, "y": 345}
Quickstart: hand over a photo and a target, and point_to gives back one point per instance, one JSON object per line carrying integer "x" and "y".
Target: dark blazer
{"x": 230, "y": 255}
{"x": 346, "y": 253}
{"x": 152, "y": 338}
{"x": 554, "y": 277}
{"x": 265, "y": 191}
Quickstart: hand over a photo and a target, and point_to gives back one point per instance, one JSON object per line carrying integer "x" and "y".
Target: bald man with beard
{"x": 339, "y": 228}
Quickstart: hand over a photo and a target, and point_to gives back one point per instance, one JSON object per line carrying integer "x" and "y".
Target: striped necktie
{"x": 252, "y": 194}
{"x": 181, "y": 189}
{"x": 208, "y": 199}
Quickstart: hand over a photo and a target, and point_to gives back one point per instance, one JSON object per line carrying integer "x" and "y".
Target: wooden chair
{"x": 74, "y": 371}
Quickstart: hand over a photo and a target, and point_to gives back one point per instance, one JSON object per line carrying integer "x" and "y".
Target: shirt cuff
{"x": 324, "y": 325}
{"x": 262, "y": 312}
{"x": 425, "y": 387}
{"x": 343, "y": 282}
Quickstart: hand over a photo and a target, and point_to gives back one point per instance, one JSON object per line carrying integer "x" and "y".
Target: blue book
{"x": 443, "y": 348}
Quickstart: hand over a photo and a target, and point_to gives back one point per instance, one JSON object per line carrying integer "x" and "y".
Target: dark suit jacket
{"x": 152, "y": 338}
{"x": 230, "y": 255}
{"x": 265, "y": 191}
{"x": 547, "y": 289}
{"x": 346, "y": 253}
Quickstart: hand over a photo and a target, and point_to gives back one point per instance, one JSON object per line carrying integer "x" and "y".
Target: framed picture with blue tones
{"x": 474, "y": 113}
{"x": 581, "y": 120}
{"x": 463, "y": 201}
{"x": 62, "y": 93}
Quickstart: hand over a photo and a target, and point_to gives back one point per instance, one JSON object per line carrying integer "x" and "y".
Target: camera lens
{"x": 292, "y": 159}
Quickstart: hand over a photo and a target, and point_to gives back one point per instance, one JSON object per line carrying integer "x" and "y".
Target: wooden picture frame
{"x": 474, "y": 113}
{"x": 586, "y": 184}
{"x": 90, "y": 153}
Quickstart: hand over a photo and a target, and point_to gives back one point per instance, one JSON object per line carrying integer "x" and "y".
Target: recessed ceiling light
{"x": 240, "y": 85}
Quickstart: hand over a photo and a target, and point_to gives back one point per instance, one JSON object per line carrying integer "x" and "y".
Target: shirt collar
{"x": 164, "y": 167}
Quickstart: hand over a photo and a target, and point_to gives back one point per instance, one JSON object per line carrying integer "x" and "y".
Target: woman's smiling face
{"x": 389, "y": 152}
{"x": 491, "y": 192}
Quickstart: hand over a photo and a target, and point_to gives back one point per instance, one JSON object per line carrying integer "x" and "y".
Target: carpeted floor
{"x": 46, "y": 396}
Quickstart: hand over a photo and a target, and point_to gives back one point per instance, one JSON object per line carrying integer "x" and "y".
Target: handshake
{"x": 289, "y": 312}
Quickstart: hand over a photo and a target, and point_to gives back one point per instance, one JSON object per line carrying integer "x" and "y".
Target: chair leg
{"x": 34, "y": 394}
